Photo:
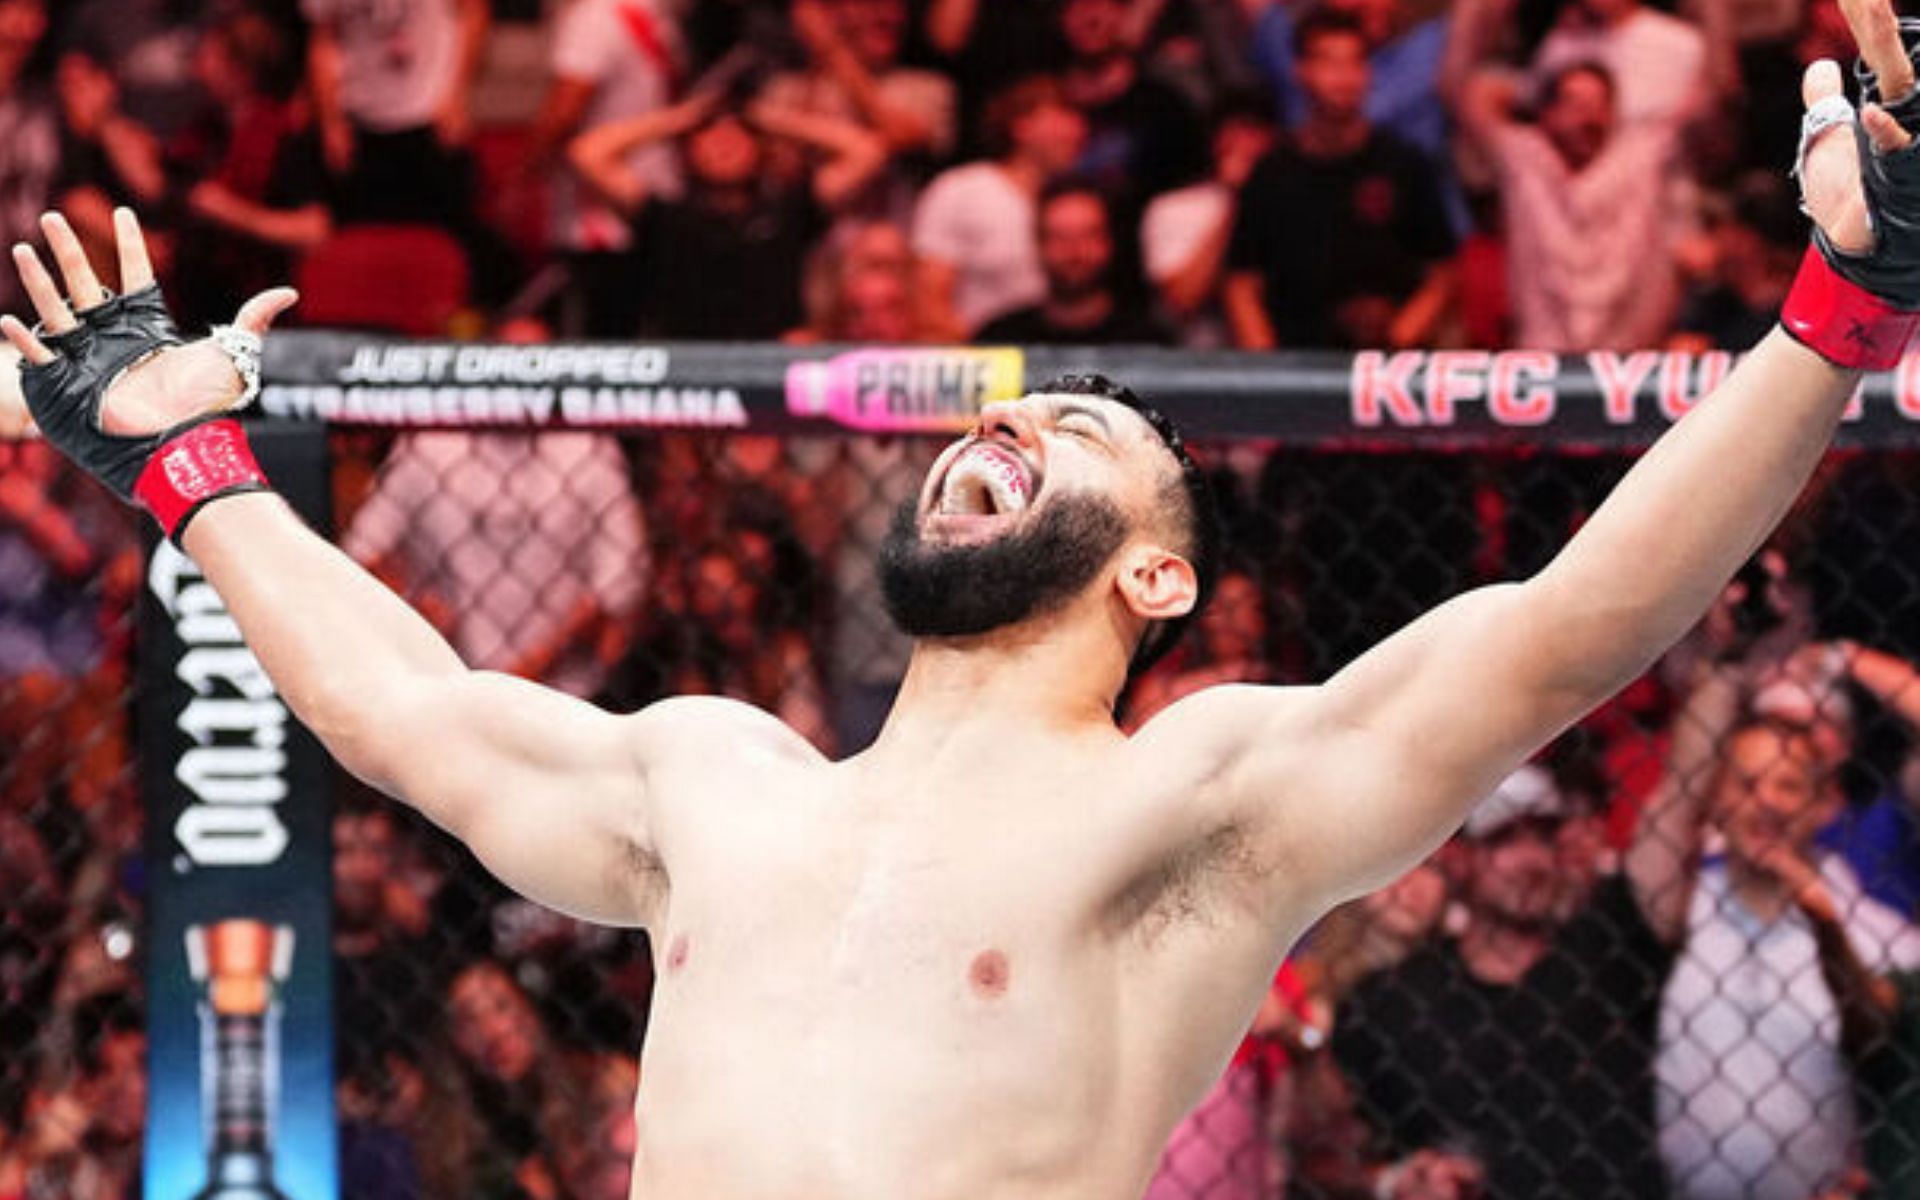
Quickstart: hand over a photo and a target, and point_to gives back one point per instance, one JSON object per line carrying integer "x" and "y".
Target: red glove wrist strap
{"x": 1843, "y": 323}
{"x": 211, "y": 459}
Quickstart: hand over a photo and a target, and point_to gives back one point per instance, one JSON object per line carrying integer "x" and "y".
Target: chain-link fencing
{"x": 1676, "y": 956}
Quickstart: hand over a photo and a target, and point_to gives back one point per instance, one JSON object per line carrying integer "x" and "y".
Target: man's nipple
{"x": 677, "y": 952}
{"x": 989, "y": 974}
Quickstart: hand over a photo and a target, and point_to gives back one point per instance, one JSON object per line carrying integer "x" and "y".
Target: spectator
{"x": 1143, "y": 138}
{"x": 387, "y": 980}
{"x": 1753, "y": 248}
{"x": 32, "y": 926}
{"x": 390, "y": 83}
{"x": 256, "y": 189}
{"x": 1085, "y": 303}
{"x": 731, "y": 642}
{"x": 974, "y": 228}
{"x": 1659, "y": 63}
{"x": 1588, "y": 203}
{"x": 1755, "y": 1096}
{"x": 68, "y": 571}
{"x": 611, "y": 60}
{"x": 865, "y": 284}
{"x": 725, "y": 261}
{"x": 529, "y": 547}
{"x": 148, "y": 48}
{"x": 109, "y": 157}
{"x": 30, "y": 134}
{"x": 480, "y": 1124}
{"x": 854, "y": 74}
{"x": 1884, "y": 1015}
{"x": 1404, "y": 52}
{"x": 591, "y": 1133}
{"x": 1526, "y": 1039}
{"x": 1228, "y": 645}
{"x": 989, "y": 45}
{"x": 1880, "y": 839}
{"x": 1342, "y": 239}
{"x": 1185, "y": 233}
{"x": 83, "y": 1127}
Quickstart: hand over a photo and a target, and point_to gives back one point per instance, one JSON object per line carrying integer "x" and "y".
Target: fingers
{"x": 83, "y": 286}
{"x": 1822, "y": 79}
{"x": 1885, "y": 132}
{"x": 22, "y": 339}
{"x": 259, "y": 313}
{"x": 1877, "y": 32}
{"x": 53, "y": 311}
{"x": 136, "y": 269}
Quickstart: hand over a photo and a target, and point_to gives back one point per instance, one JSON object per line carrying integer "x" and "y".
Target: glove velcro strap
{"x": 1842, "y": 322}
{"x": 206, "y": 461}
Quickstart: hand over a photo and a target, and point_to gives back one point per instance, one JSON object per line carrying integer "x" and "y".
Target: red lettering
{"x": 1676, "y": 369}
{"x": 1506, "y": 400}
{"x": 1378, "y": 380}
{"x": 1453, "y": 376}
{"x": 1619, "y": 379}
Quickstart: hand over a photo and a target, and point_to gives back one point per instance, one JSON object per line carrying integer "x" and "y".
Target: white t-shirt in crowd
{"x": 1171, "y": 231}
{"x": 1658, "y": 63}
{"x": 1589, "y": 255}
{"x": 1755, "y": 1100}
{"x": 399, "y": 58}
{"x": 633, "y": 55}
{"x": 974, "y": 218}
{"x": 512, "y": 531}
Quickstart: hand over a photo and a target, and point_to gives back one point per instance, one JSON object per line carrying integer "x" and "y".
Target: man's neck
{"x": 1758, "y": 892}
{"x": 1328, "y": 137}
{"x": 1502, "y": 952}
{"x": 1079, "y": 313}
{"x": 1045, "y": 676}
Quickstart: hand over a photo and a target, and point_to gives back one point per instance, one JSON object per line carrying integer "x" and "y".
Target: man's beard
{"x": 934, "y": 590}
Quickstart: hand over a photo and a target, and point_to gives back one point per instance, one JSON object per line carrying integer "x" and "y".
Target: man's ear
{"x": 1158, "y": 584}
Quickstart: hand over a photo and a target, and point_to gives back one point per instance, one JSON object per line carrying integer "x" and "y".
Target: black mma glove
{"x": 1860, "y": 310}
{"x": 172, "y": 473}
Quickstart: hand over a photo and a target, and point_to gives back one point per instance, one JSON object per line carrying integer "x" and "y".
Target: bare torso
{"x": 1002, "y": 971}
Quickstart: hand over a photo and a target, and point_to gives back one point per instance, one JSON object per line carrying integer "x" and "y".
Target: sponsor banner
{"x": 239, "y": 848}
{"x": 1374, "y": 398}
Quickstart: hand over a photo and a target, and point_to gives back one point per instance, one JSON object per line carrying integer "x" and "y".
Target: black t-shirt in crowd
{"x": 1549, "y": 1081}
{"x": 1145, "y": 141}
{"x": 1323, "y": 231}
{"x": 1030, "y": 327}
{"x": 703, "y": 273}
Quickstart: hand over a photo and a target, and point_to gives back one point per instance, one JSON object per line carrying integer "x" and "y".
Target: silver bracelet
{"x": 243, "y": 347}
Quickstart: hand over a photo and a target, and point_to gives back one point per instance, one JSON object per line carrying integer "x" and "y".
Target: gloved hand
{"x": 1856, "y": 301}
{"x": 114, "y": 389}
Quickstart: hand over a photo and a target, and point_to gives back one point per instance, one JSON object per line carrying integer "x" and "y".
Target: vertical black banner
{"x": 239, "y": 849}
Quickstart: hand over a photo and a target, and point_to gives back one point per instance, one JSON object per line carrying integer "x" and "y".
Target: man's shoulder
{"x": 700, "y": 726}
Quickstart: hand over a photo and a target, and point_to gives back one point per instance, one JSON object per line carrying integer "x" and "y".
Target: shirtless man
{"x": 1002, "y": 951}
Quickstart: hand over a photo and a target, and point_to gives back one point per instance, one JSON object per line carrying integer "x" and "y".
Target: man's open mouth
{"x": 985, "y": 481}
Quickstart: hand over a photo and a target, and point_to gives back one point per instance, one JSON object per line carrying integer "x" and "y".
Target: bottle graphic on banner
{"x": 907, "y": 390}
{"x": 239, "y": 965}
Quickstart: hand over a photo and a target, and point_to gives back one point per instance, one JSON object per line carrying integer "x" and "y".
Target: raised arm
{"x": 1383, "y": 762}
{"x": 546, "y": 790}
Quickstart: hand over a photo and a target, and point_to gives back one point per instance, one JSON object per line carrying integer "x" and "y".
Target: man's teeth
{"x": 977, "y": 486}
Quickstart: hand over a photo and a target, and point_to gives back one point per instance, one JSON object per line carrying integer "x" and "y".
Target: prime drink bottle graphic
{"x": 239, "y": 966}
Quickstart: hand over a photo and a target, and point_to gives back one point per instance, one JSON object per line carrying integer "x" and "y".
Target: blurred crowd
{"x": 1674, "y": 956}
{"x": 1554, "y": 174}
